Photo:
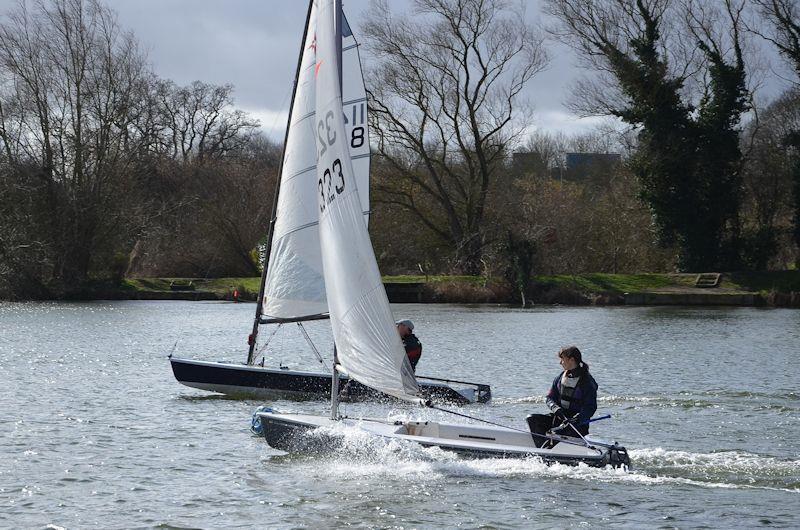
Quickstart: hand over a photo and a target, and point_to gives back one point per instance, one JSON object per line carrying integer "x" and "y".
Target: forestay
{"x": 295, "y": 286}
{"x": 368, "y": 345}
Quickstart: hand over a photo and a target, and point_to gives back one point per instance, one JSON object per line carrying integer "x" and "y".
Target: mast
{"x": 335, "y": 387}
{"x": 260, "y": 303}
{"x": 337, "y": 30}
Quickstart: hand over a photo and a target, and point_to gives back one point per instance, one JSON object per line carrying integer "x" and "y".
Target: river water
{"x": 95, "y": 431}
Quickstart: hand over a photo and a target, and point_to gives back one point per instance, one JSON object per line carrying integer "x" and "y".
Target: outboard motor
{"x": 618, "y": 456}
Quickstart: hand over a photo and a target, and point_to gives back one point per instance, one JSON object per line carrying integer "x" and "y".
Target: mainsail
{"x": 294, "y": 284}
{"x": 368, "y": 345}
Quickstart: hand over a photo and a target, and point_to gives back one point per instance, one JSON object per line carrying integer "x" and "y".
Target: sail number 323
{"x": 331, "y": 184}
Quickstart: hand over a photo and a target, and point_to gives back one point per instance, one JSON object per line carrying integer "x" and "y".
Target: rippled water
{"x": 95, "y": 432}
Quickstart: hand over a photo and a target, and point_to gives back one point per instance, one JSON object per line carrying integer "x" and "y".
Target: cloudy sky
{"x": 253, "y": 44}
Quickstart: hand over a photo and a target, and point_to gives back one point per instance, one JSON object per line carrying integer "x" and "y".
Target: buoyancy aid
{"x": 569, "y": 382}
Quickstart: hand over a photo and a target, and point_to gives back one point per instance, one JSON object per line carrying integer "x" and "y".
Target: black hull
{"x": 256, "y": 382}
{"x": 296, "y": 437}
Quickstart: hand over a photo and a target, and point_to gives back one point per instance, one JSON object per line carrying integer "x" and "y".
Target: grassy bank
{"x": 781, "y": 288}
{"x": 221, "y": 288}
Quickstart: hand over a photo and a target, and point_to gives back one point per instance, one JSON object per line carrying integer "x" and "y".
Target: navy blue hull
{"x": 257, "y": 382}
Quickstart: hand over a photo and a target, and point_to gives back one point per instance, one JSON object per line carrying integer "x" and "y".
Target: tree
{"x": 580, "y": 227}
{"x": 782, "y": 18}
{"x": 97, "y": 154}
{"x": 199, "y": 121}
{"x": 445, "y": 98}
{"x": 768, "y": 181}
{"x": 211, "y": 175}
{"x": 215, "y": 211}
{"x": 72, "y": 80}
{"x": 688, "y": 160}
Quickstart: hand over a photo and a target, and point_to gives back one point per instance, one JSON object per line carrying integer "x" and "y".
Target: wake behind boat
{"x": 254, "y": 381}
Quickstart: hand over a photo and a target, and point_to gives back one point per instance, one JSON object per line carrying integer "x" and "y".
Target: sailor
{"x": 413, "y": 349}
{"x": 572, "y": 399}
{"x": 412, "y": 344}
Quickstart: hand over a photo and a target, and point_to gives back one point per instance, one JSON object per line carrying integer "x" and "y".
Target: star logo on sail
{"x": 313, "y": 46}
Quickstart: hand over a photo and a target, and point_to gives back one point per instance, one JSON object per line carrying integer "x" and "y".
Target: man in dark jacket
{"x": 572, "y": 399}
{"x": 413, "y": 349}
{"x": 410, "y": 341}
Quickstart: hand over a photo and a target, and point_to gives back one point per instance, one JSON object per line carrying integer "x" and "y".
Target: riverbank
{"x": 776, "y": 289}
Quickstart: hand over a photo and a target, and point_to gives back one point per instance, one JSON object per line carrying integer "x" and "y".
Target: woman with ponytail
{"x": 572, "y": 398}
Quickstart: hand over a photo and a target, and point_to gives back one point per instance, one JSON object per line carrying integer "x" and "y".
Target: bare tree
{"x": 199, "y": 121}
{"x": 214, "y": 213}
{"x": 782, "y": 18}
{"x": 72, "y": 77}
{"x": 445, "y": 101}
{"x": 768, "y": 180}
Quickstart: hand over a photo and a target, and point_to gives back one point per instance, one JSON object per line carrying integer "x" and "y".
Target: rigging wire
{"x": 264, "y": 347}
{"x": 310, "y": 343}
{"x": 476, "y": 419}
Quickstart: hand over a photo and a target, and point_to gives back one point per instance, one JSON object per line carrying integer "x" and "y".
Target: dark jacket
{"x": 583, "y": 403}
{"x": 413, "y": 349}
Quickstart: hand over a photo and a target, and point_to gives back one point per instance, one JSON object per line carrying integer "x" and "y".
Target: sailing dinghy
{"x": 367, "y": 346}
{"x": 292, "y": 286}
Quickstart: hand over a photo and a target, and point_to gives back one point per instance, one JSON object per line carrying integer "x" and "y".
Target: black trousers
{"x": 541, "y": 423}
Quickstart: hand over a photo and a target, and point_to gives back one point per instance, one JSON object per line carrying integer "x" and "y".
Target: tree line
{"x": 707, "y": 178}
{"x": 107, "y": 170}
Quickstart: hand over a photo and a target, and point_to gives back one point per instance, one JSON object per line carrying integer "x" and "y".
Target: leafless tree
{"x": 768, "y": 180}
{"x": 445, "y": 101}
{"x": 199, "y": 120}
{"x": 782, "y": 21}
{"x": 72, "y": 77}
{"x": 90, "y": 143}
{"x": 216, "y": 210}
{"x": 781, "y": 27}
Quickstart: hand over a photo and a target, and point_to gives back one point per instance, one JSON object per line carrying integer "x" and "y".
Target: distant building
{"x": 578, "y": 162}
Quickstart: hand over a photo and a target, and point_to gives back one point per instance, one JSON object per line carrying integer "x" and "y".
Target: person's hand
{"x": 560, "y": 415}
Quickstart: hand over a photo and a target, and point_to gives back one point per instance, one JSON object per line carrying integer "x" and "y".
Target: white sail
{"x": 367, "y": 343}
{"x": 295, "y": 286}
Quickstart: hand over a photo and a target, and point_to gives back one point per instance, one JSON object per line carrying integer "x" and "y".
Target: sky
{"x": 253, "y": 44}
